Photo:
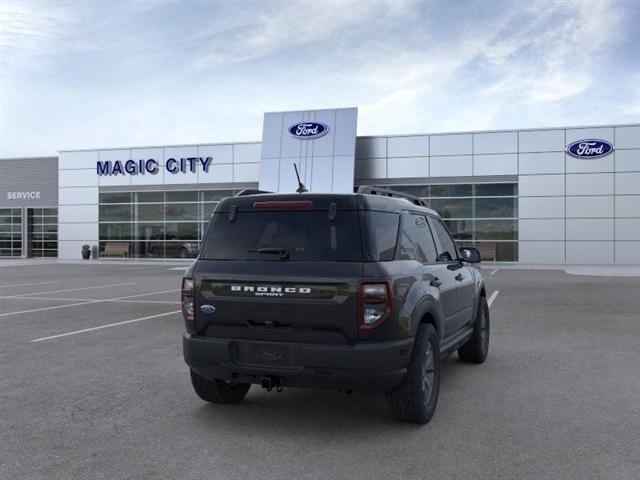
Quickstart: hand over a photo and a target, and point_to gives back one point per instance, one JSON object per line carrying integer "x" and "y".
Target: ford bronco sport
{"x": 363, "y": 291}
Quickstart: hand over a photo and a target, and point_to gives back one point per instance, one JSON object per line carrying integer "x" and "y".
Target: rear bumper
{"x": 370, "y": 367}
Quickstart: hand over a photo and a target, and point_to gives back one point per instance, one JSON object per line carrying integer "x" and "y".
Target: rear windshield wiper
{"x": 283, "y": 252}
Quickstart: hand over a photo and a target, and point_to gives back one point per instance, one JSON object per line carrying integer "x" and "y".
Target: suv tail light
{"x": 187, "y": 303}
{"x": 374, "y": 304}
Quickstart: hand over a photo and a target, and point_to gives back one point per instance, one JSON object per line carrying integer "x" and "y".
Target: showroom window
{"x": 43, "y": 232}
{"x": 480, "y": 213}
{"x": 157, "y": 224}
{"x": 10, "y": 232}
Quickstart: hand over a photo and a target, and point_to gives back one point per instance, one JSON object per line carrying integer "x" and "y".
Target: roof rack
{"x": 250, "y": 191}
{"x": 385, "y": 192}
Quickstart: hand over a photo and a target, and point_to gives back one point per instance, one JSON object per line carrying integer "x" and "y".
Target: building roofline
{"x": 461, "y": 132}
{"x": 41, "y": 157}
{"x": 467, "y": 132}
{"x": 204, "y": 144}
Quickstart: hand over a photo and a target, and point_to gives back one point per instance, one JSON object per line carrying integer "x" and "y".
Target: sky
{"x": 97, "y": 74}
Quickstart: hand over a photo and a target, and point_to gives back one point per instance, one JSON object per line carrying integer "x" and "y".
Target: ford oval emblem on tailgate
{"x": 207, "y": 308}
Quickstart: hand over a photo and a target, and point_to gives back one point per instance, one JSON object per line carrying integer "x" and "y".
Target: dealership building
{"x": 537, "y": 196}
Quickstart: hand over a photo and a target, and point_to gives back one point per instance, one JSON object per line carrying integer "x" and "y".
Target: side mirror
{"x": 470, "y": 255}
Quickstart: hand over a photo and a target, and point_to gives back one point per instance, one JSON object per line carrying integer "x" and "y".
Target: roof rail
{"x": 385, "y": 192}
{"x": 250, "y": 191}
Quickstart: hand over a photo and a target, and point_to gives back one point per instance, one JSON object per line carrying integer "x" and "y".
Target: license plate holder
{"x": 272, "y": 354}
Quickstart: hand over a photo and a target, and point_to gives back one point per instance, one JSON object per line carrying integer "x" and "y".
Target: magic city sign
{"x": 589, "y": 148}
{"x": 151, "y": 166}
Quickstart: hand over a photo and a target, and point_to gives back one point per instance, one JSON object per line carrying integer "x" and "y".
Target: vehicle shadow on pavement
{"x": 296, "y": 410}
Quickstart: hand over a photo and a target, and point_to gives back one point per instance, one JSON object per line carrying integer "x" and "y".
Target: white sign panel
{"x": 322, "y": 143}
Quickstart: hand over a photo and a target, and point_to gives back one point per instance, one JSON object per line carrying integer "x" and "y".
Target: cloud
{"x": 543, "y": 54}
{"x": 299, "y": 28}
{"x": 558, "y": 62}
{"x": 79, "y": 74}
{"x": 30, "y": 30}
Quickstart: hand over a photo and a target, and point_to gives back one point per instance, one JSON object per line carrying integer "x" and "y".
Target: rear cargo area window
{"x": 382, "y": 232}
{"x": 284, "y": 236}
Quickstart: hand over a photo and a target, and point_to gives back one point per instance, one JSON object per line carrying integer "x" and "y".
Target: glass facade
{"x": 170, "y": 224}
{"x": 10, "y": 232}
{"x": 157, "y": 224}
{"x": 42, "y": 229}
{"x": 476, "y": 214}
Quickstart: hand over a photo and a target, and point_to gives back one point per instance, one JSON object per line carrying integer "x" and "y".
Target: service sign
{"x": 589, "y": 149}
{"x": 23, "y": 195}
{"x": 308, "y": 130}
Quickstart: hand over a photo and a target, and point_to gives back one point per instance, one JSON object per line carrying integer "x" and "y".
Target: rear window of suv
{"x": 284, "y": 235}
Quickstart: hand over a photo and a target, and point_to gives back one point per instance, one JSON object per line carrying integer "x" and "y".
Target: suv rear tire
{"x": 416, "y": 399}
{"x": 477, "y": 347}
{"x": 218, "y": 391}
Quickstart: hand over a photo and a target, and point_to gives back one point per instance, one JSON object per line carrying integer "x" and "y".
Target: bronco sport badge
{"x": 270, "y": 291}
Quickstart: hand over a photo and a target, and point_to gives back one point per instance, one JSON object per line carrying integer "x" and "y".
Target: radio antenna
{"x": 301, "y": 188}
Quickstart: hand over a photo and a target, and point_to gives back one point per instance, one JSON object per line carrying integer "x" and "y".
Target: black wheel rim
{"x": 428, "y": 372}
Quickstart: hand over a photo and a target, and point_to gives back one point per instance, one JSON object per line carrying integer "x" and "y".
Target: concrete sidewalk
{"x": 20, "y": 262}
{"x": 591, "y": 270}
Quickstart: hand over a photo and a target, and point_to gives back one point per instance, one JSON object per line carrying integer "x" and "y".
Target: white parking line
{"x": 493, "y": 297}
{"x": 72, "y": 289}
{"x": 80, "y": 303}
{"x": 175, "y": 302}
{"x": 67, "y": 299}
{"x": 494, "y": 272}
{"x": 49, "y": 308}
{"x": 146, "y": 294}
{"x": 28, "y": 284}
{"x": 84, "y": 330}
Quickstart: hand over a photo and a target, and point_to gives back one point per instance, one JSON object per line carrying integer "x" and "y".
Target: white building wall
{"x": 79, "y": 183}
{"x": 570, "y": 210}
{"x": 77, "y": 202}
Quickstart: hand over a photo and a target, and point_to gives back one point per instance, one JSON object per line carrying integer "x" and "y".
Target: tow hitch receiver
{"x": 269, "y": 383}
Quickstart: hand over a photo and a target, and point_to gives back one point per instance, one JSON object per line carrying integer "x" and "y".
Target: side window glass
{"x": 424, "y": 240}
{"x": 448, "y": 252}
{"x": 416, "y": 241}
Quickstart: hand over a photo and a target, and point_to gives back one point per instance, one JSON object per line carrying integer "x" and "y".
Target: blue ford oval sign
{"x": 308, "y": 130}
{"x": 590, "y": 148}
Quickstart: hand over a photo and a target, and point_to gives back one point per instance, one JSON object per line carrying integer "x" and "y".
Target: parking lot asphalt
{"x": 93, "y": 386}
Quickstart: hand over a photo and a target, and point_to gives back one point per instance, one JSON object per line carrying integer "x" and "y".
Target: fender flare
{"x": 480, "y": 289}
{"x": 428, "y": 306}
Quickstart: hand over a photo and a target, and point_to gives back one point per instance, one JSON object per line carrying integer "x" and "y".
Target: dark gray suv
{"x": 363, "y": 291}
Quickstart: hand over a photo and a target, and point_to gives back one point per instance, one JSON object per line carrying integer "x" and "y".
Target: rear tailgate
{"x": 313, "y": 302}
{"x": 281, "y": 267}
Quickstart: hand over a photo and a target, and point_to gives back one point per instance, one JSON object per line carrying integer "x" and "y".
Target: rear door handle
{"x": 459, "y": 277}
{"x": 435, "y": 282}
